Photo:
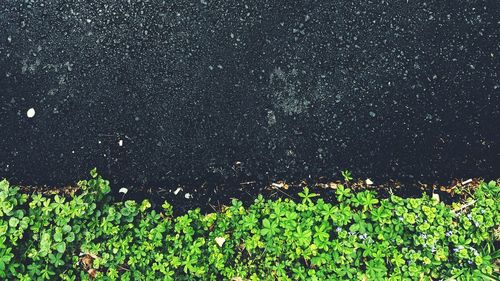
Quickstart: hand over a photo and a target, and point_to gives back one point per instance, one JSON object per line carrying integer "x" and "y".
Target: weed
{"x": 84, "y": 236}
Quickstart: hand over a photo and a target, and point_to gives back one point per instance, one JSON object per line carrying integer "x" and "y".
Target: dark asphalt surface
{"x": 213, "y": 91}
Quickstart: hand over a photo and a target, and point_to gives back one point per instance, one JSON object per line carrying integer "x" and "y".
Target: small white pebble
{"x": 187, "y": 196}
{"x": 9, "y": 39}
{"x": 89, "y": 20}
{"x": 120, "y": 142}
{"x": 435, "y": 196}
{"x": 123, "y": 190}
{"x": 220, "y": 241}
{"x": 177, "y": 190}
{"x": 31, "y": 113}
{"x": 369, "y": 182}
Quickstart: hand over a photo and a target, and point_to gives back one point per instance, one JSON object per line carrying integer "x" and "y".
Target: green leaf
{"x": 70, "y": 237}
{"x": 93, "y": 173}
{"x": 7, "y": 207}
{"x": 24, "y": 223}
{"x": 61, "y": 247}
{"x": 66, "y": 228}
{"x": 58, "y": 236}
{"x": 105, "y": 189}
{"x": 145, "y": 205}
{"x": 3, "y": 230}
{"x": 4, "y": 185}
{"x": 347, "y": 175}
{"x": 13, "y": 222}
{"x": 19, "y": 214}
{"x": 266, "y": 223}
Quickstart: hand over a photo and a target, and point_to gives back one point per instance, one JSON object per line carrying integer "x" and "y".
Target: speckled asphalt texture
{"x": 159, "y": 93}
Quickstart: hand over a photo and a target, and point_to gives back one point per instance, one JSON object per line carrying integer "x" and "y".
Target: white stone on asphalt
{"x": 30, "y": 113}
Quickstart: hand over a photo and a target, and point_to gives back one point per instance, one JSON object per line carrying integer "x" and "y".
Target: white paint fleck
{"x": 271, "y": 118}
{"x": 123, "y": 190}
{"x": 31, "y": 113}
{"x": 372, "y": 114}
{"x": 187, "y": 196}
{"x": 467, "y": 182}
{"x": 177, "y": 190}
{"x": 120, "y": 142}
{"x": 9, "y": 39}
{"x": 369, "y": 182}
{"x": 89, "y": 20}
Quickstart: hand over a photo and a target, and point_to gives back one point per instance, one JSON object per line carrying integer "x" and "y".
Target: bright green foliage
{"x": 347, "y": 175}
{"x": 359, "y": 237}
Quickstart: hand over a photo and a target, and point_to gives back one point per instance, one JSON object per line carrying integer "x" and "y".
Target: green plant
{"x": 307, "y": 196}
{"x": 360, "y": 237}
{"x": 347, "y": 175}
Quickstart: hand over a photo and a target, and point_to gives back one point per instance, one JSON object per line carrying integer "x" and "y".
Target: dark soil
{"x": 247, "y": 192}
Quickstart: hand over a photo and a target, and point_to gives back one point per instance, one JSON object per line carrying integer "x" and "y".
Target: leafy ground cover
{"x": 356, "y": 237}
